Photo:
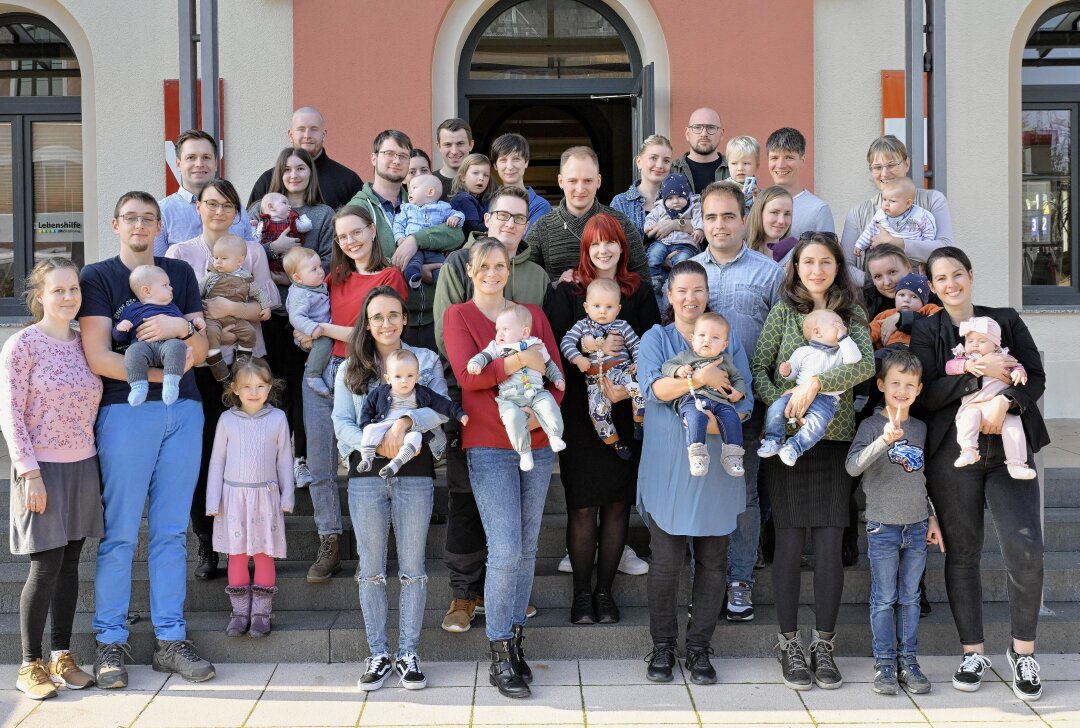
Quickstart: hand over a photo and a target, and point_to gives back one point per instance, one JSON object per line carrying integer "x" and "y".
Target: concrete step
{"x": 338, "y": 636}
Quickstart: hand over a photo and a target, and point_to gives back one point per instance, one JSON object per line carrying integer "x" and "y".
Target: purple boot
{"x": 240, "y": 596}
{"x": 262, "y": 598}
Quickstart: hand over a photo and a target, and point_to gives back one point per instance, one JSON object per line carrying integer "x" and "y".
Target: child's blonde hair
{"x": 818, "y": 317}
{"x": 522, "y": 314}
{"x": 459, "y": 181}
{"x": 295, "y": 257}
{"x": 404, "y": 355}
{"x": 232, "y": 243}
{"x": 746, "y": 146}
{"x": 903, "y": 185}
{"x": 712, "y": 317}
{"x": 604, "y": 285}
{"x": 144, "y": 275}
{"x": 256, "y": 367}
{"x": 268, "y": 198}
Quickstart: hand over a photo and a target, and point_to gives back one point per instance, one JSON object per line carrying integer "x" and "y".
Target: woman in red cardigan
{"x": 511, "y": 501}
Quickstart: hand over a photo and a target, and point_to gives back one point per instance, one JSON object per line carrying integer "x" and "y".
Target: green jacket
{"x": 528, "y": 283}
{"x": 440, "y": 238}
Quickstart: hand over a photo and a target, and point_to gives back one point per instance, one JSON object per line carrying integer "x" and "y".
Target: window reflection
{"x": 1047, "y": 197}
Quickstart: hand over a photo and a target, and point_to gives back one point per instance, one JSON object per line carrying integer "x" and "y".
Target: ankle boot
{"x": 218, "y": 367}
{"x": 502, "y": 674}
{"x": 517, "y": 653}
{"x": 240, "y": 619}
{"x": 826, "y": 673}
{"x": 208, "y": 558}
{"x": 327, "y": 562}
{"x": 262, "y": 599}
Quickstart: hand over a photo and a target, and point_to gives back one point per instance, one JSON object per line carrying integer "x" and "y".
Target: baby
{"x": 680, "y": 204}
{"x": 743, "y": 156}
{"x": 707, "y": 348}
{"x": 891, "y": 329}
{"x": 229, "y": 279}
{"x": 982, "y": 335}
{"x": 829, "y": 348}
{"x": 525, "y": 387}
{"x": 276, "y": 216}
{"x": 308, "y": 304}
{"x": 898, "y": 215}
{"x": 424, "y": 209}
{"x": 602, "y": 306}
{"x": 393, "y": 400}
{"x": 151, "y": 286}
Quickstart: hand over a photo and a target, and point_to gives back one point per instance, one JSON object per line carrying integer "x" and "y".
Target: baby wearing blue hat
{"x": 678, "y": 203}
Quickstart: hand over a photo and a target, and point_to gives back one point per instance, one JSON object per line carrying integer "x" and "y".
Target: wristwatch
{"x": 190, "y": 331}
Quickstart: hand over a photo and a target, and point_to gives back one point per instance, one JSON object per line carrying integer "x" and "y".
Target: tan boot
{"x": 35, "y": 682}
{"x": 327, "y": 562}
{"x": 65, "y": 670}
{"x": 460, "y": 615}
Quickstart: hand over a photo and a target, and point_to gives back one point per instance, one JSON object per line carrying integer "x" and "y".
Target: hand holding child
{"x": 733, "y": 395}
{"x": 317, "y": 332}
{"x": 933, "y": 534}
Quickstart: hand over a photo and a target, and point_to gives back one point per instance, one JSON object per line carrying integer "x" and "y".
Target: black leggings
{"x": 584, "y": 540}
{"x": 828, "y": 575}
{"x": 52, "y": 585}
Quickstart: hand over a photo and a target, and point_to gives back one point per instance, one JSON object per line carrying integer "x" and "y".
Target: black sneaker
{"x": 968, "y": 677}
{"x": 180, "y": 657}
{"x": 793, "y": 669}
{"x": 408, "y": 669}
{"x": 826, "y": 673}
{"x": 378, "y": 669}
{"x": 661, "y": 663}
{"x": 1025, "y": 682}
{"x": 699, "y": 666}
{"x": 911, "y": 676}
{"x": 109, "y": 670}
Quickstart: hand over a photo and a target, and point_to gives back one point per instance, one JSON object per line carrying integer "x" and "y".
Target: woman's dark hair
{"x": 420, "y": 153}
{"x": 600, "y": 227}
{"x": 683, "y": 268}
{"x": 312, "y": 195}
{"x": 224, "y": 188}
{"x": 341, "y": 266}
{"x": 948, "y": 251}
{"x": 842, "y": 297}
{"x": 363, "y": 365}
{"x": 885, "y": 250}
{"x": 258, "y": 367}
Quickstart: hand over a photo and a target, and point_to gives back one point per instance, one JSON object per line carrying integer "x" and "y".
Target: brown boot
{"x": 327, "y": 562}
{"x": 218, "y": 367}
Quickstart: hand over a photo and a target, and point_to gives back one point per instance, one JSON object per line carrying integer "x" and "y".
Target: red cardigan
{"x": 465, "y": 332}
{"x": 347, "y": 298}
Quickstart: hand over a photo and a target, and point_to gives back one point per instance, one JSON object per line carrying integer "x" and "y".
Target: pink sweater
{"x": 251, "y": 449}
{"x": 48, "y": 400}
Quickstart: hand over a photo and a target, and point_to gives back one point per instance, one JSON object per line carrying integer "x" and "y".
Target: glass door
{"x": 1047, "y": 197}
{"x": 56, "y": 149}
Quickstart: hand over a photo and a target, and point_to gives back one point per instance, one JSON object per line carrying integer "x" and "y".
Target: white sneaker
{"x": 564, "y": 565}
{"x": 768, "y": 448}
{"x": 631, "y": 563}
{"x": 301, "y": 474}
{"x": 526, "y": 463}
{"x": 788, "y": 456}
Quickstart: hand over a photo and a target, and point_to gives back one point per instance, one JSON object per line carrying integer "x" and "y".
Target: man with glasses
{"x": 703, "y": 164}
{"x": 197, "y": 160}
{"x": 384, "y": 196}
{"x": 465, "y": 550}
{"x": 150, "y": 451}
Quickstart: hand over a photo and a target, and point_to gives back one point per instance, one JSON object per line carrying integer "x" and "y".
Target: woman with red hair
{"x": 599, "y": 484}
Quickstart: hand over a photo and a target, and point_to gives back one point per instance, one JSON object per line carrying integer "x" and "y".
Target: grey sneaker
{"x": 911, "y": 676}
{"x": 301, "y": 473}
{"x": 109, "y": 670}
{"x": 740, "y": 606}
{"x": 885, "y": 678}
{"x": 180, "y": 657}
{"x": 793, "y": 662}
{"x": 826, "y": 673}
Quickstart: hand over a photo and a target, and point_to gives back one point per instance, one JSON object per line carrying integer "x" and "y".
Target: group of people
{"x": 334, "y": 321}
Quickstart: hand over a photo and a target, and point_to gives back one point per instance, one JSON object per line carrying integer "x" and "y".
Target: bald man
{"x": 703, "y": 164}
{"x": 337, "y": 182}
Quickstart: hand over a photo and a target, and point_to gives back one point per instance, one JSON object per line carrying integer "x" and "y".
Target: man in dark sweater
{"x": 454, "y": 141}
{"x": 555, "y": 239}
{"x": 703, "y": 164}
{"x": 337, "y": 182}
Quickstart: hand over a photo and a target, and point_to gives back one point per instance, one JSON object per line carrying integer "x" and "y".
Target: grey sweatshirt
{"x": 894, "y": 477}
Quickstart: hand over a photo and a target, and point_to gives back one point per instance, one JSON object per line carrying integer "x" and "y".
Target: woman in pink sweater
{"x": 48, "y": 404}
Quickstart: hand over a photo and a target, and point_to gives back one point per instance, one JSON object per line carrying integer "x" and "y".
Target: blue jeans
{"x": 658, "y": 253}
{"x": 817, "y": 418}
{"x": 743, "y": 541}
{"x": 511, "y": 504}
{"x": 375, "y": 504}
{"x": 322, "y": 455}
{"x": 414, "y": 269}
{"x": 897, "y": 557}
{"x": 727, "y": 419}
{"x": 146, "y": 451}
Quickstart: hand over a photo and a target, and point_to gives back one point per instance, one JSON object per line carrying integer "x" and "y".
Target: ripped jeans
{"x": 375, "y": 504}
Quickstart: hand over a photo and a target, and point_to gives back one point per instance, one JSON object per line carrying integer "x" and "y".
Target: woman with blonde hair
{"x": 768, "y": 229}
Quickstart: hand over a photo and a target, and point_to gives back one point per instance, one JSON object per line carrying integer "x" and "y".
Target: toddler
{"x": 396, "y": 398}
{"x": 898, "y": 215}
{"x": 471, "y": 191}
{"x": 229, "y": 279}
{"x": 525, "y": 387}
{"x": 602, "y": 306}
{"x": 677, "y": 203}
{"x": 151, "y": 286}
{"x": 829, "y": 347}
{"x": 424, "y": 209}
{"x": 891, "y": 329}
{"x": 276, "y": 216}
{"x": 707, "y": 348}
{"x": 743, "y": 156}
{"x": 982, "y": 335}
{"x": 888, "y": 453}
{"x": 249, "y": 488}
{"x": 308, "y": 304}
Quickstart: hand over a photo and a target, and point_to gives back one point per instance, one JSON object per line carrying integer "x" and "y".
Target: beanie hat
{"x": 675, "y": 184}
{"x": 984, "y": 325}
{"x": 917, "y": 284}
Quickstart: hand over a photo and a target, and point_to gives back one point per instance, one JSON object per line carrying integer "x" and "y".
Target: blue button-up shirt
{"x": 180, "y": 222}
{"x": 743, "y": 291}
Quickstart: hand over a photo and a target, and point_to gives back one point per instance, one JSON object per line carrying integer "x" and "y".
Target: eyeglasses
{"x": 214, "y": 206}
{"x": 504, "y": 216}
{"x": 391, "y": 156}
{"x": 709, "y": 129}
{"x": 824, "y": 234}
{"x": 132, "y": 219}
{"x": 356, "y": 236}
{"x": 378, "y": 319}
{"x": 879, "y": 168}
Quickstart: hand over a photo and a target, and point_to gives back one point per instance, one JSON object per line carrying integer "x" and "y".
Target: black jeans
{"x": 668, "y": 558}
{"x": 465, "y": 549}
{"x": 286, "y": 361}
{"x": 828, "y": 576}
{"x": 959, "y": 495}
{"x": 52, "y": 586}
{"x": 210, "y": 390}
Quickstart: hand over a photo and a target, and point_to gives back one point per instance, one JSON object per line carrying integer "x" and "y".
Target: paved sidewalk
{"x": 566, "y": 693}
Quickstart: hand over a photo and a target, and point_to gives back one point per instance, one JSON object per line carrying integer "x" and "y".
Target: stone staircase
{"x": 322, "y": 622}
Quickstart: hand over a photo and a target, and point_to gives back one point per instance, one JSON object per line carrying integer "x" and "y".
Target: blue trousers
{"x": 658, "y": 253}
{"x": 897, "y": 555}
{"x": 146, "y": 451}
{"x": 697, "y": 423}
{"x": 817, "y": 418}
{"x": 415, "y": 267}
